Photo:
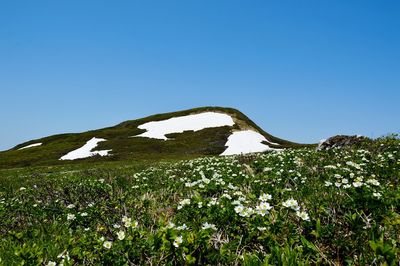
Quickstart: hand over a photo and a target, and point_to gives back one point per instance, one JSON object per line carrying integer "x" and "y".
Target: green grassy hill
{"x": 209, "y": 141}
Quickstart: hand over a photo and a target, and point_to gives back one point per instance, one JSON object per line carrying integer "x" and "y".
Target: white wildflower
{"x": 182, "y": 227}
{"x": 71, "y": 217}
{"x": 205, "y": 180}
{"x": 178, "y": 240}
{"x": 246, "y": 212}
{"x": 206, "y": 226}
{"x": 225, "y": 195}
{"x": 265, "y": 197}
{"x": 239, "y": 208}
{"x": 263, "y": 208}
{"x": 230, "y": 186}
{"x": 241, "y": 199}
{"x": 126, "y": 221}
{"x": 291, "y": 203}
{"x": 135, "y": 224}
{"x": 121, "y": 235}
{"x": 107, "y": 244}
{"x": 212, "y": 202}
{"x": 236, "y": 202}
{"x": 377, "y": 195}
{"x": 373, "y": 182}
{"x": 183, "y": 202}
{"x": 171, "y": 225}
{"x": 303, "y": 215}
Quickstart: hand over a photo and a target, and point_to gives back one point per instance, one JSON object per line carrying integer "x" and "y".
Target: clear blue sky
{"x": 303, "y": 70}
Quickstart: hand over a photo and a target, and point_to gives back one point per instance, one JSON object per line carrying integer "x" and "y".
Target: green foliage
{"x": 295, "y": 207}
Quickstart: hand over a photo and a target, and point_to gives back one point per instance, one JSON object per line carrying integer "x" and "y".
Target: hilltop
{"x": 183, "y": 134}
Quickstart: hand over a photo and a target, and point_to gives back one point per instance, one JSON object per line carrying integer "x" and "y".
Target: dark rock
{"x": 340, "y": 141}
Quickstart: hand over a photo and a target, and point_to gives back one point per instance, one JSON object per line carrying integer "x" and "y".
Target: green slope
{"x": 210, "y": 141}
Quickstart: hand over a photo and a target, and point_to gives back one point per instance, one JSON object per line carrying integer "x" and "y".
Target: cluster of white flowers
{"x": 265, "y": 197}
{"x": 263, "y": 208}
{"x": 246, "y": 211}
{"x": 182, "y": 227}
{"x": 292, "y": 204}
{"x": 341, "y": 182}
{"x": 358, "y": 182}
{"x": 377, "y": 195}
{"x": 64, "y": 256}
{"x": 303, "y": 215}
{"x": 373, "y": 182}
{"x": 71, "y": 217}
{"x": 352, "y": 164}
{"x": 212, "y": 202}
{"x": 121, "y": 235}
{"x": 126, "y": 221}
{"x": 183, "y": 202}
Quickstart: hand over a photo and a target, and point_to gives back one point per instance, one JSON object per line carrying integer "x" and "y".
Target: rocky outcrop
{"x": 340, "y": 141}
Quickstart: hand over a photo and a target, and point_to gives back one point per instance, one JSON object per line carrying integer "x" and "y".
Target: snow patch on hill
{"x": 195, "y": 122}
{"x": 30, "y": 146}
{"x": 247, "y": 141}
{"x": 86, "y": 151}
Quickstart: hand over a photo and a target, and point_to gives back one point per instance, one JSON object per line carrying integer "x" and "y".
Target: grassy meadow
{"x": 295, "y": 207}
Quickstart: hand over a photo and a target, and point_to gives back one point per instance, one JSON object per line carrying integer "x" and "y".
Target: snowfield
{"x": 247, "y": 141}
{"x": 158, "y": 129}
{"x": 86, "y": 151}
{"x": 30, "y": 146}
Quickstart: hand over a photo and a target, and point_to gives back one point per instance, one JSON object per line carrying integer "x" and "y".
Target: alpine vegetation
{"x": 283, "y": 207}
